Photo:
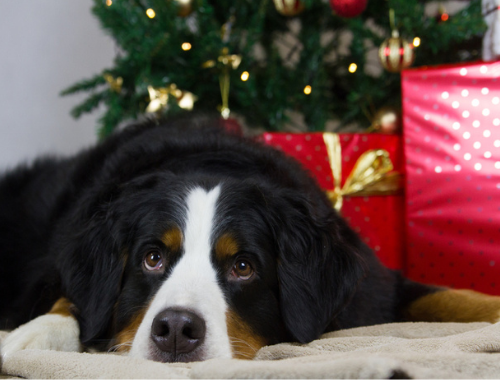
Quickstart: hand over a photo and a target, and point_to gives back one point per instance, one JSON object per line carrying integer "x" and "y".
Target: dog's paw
{"x": 47, "y": 332}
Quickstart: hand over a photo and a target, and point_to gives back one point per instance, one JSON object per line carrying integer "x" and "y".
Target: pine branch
{"x": 84, "y": 85}
{"x": 91, "y": 103}
{"x": 282, "y": 55}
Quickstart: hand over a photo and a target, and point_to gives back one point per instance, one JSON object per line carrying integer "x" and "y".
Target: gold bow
{"x": 114, "y": 83}
{"x": 370, "y": 175}
{"x": 158, "y": 98}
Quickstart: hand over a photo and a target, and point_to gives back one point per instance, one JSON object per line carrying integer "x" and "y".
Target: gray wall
{"x": 45, "y": 46}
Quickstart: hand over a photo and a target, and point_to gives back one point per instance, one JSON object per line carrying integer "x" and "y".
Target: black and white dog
{"x": 180, "y": 242}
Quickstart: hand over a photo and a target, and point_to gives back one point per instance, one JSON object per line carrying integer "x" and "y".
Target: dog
{"x": 178, "y": 241}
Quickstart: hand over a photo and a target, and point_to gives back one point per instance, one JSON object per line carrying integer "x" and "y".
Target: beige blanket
{"x": 399, "y": 350}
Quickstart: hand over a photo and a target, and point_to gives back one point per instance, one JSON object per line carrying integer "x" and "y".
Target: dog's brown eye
{"x": 242, "y": 270}
{"x": 153, "y": 261}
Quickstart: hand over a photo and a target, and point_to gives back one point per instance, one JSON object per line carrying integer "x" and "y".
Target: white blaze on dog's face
{"x": 190, "y": 292}
{"x": 199, "y": 275}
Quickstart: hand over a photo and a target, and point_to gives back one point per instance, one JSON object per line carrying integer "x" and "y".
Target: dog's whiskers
{"x": 243, "y": 354}
{"x": 242, "y": 349}
{"x": 234, "y": 341}
{"x": 119, "y": 346}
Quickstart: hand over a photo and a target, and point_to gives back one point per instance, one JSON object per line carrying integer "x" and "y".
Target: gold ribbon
{"x": 226, "y": 62}
{"x": 370, "y": 175}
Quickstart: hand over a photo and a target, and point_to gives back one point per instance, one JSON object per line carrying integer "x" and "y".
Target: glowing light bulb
{"x": 186, "y": 46}
{"x": 151, "y": 13}
{"x": 244, "y": 76}
{"x": 353, "y": 67}
{"x": 109, "y": 2}
{"x": 416, "y": 41}
{"x": 307, "y": 90}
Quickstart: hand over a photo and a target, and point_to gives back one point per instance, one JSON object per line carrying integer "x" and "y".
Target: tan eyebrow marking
{"x": 226, "y": 246}
{"x": 172, "y": 239}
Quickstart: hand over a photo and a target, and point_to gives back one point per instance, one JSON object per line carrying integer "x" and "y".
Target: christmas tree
{"x": 267, "y": 58}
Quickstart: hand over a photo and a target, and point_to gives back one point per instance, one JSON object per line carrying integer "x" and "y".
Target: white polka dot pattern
{"x": 452, "y": 151}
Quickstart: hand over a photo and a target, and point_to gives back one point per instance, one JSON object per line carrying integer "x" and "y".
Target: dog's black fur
{"x": 66, "y": 224}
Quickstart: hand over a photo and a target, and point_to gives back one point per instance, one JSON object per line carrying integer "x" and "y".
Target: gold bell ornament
{"x": 396, "y": 53}
{"x": 289, "y": 7}
{"x": 184, "y": 7}
{"x": 386, "y": 120}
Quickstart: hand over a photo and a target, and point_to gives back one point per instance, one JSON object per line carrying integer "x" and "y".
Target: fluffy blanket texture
{"x": 398, "y": 350}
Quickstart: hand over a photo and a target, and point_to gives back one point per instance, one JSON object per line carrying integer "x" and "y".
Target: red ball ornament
{"x": 232, "y": 126}
{"x": 442, "y": 15}
{"x": 348, "y": 8}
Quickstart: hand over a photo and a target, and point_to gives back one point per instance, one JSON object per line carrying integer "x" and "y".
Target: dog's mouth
{"x": 176, "y": 357}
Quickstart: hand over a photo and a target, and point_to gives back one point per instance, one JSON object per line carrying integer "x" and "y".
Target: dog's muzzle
{"x": 178, "y": 335}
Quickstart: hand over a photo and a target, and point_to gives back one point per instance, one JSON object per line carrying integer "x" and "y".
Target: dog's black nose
{"x": 178, "y": 331}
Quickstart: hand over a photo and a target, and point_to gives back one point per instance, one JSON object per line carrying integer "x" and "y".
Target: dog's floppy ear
{"x": 91, "y": 265}
{"x": 319, "y": 265}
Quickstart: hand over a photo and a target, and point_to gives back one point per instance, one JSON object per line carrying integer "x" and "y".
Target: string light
{"x": 151, "y": 13}
{"x": 352, "y": 68}
{"x": 307, "y": 90}
{"x": 416, "y": 41}
{"x": 186, "y": 46}
{"x": 445, "y": 17}
{"x": 109, "y": 2}
{"x": 244, "y": 76}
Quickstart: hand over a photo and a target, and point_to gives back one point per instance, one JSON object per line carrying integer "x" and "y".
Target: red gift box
{"x": 377, "y": 219}
{"x": 451, "y": 118}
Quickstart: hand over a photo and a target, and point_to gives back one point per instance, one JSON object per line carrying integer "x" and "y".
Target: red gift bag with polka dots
{"x": 379, "y": 220}
{"x": 451, "y": 117}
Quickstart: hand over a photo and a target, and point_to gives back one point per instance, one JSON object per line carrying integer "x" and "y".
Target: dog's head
{"x": 183, "y": 268}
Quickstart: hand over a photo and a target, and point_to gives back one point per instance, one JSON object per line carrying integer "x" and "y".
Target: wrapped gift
{"x": 357, "y": 171}
{"x": 451, "y": 117}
